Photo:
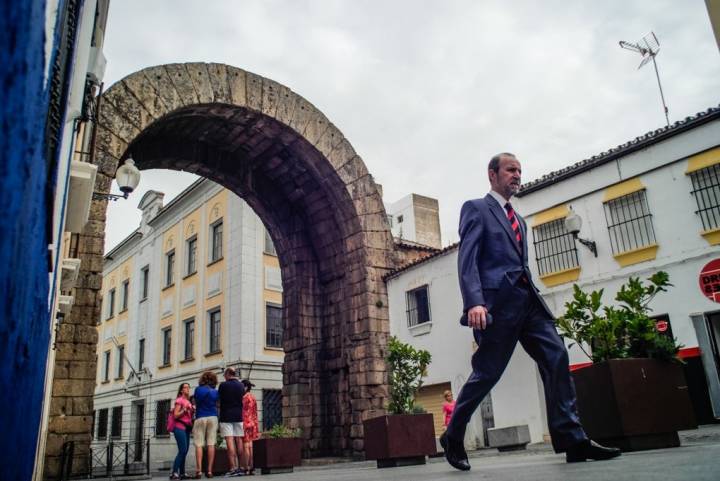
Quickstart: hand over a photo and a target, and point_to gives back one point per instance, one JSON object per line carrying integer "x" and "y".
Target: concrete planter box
{"x": 634, "y": 404}
{"x": 400, "y": 439}
{"x": 277, "y": 455}
{"x": 220, "y": 466}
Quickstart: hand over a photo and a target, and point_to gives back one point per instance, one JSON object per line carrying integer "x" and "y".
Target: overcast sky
{"x": 428, "y": 91}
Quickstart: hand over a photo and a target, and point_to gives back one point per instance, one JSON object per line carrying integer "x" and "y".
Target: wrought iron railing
{"x": 109, "y": 460}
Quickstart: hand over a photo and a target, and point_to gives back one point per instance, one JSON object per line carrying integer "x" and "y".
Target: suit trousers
{"x": 518, "y": 316}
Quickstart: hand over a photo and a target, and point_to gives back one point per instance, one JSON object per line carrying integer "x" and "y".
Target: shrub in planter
{"x": 221, "y": 464}
{"x": 278, "y": 450}
{"x": 634, "y": 395}
{"x": 406, "y": 435}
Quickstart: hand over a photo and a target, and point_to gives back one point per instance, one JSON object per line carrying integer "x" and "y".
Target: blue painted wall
{"x": 24, "y": 318}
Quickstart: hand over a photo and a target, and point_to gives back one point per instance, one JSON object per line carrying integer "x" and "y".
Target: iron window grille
{"x": 169, "y": 268}
{"x": 191, "y": 256}
{"x": 418, "y": 306}
{"x": 116, "y": 422}
{"x": 273, "y": 325}
{"x": 555, "y": 248}
{"x": 162, "y": 408}
{"x": 167, "y": 344}
{"x": 271, "y": 408}
{"x": 629, "y": 222}
{"x": 706, "y": 190}
{"x": 216, "y": 231}
{"x": 214, "y": 319}
{"x": 102, "y": 423}
{"x": 189, "y": 338}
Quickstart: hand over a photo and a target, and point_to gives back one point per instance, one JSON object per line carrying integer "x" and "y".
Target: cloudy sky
{"x": 428, "y": 91}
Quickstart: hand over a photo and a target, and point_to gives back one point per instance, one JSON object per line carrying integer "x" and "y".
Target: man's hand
{"x": 477, "y": 317}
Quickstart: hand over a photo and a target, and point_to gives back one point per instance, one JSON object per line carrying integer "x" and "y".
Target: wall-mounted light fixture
{"x": 127, "y": 178}
{"x": 573, "y": 223}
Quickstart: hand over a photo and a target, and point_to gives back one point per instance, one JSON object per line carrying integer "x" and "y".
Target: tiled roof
{"x": 404, "y": 267}
{"x": 412, "y": 245}
{"x": 638, "y": 143}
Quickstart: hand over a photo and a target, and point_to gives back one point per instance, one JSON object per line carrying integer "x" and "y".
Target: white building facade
{"x": 196, "y": 287}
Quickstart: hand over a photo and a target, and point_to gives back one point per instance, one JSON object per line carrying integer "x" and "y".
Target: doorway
{"x": 139, "y": 430}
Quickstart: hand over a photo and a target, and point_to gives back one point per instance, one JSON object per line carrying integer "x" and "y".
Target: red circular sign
{"x": 709, "y": 279}
{"x": 661, "y": 326}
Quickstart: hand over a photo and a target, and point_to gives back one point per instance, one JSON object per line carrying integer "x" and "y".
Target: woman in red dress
{"x": 250, "y": 427}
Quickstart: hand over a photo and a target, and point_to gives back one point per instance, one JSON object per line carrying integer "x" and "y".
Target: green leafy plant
{"x": 282, "y": 431}
{"x": 623, "y": 331}
{"x": 406, "y": 366}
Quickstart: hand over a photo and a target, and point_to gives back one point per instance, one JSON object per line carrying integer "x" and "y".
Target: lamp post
{"x": 573, "y": 223}
{"x": 127, "y": 178}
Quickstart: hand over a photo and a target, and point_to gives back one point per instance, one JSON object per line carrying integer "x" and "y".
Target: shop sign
{"x": 709, "y": 280}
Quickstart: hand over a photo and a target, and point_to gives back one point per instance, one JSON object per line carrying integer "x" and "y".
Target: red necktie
{"x": 514, "y": 223}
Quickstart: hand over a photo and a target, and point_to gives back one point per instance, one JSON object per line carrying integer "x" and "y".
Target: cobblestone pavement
{"x": 698, "y": 459}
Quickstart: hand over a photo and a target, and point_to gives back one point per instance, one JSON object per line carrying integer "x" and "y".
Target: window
{"x": 169, "y": 268}
{"x": 390, "y": 220}
{"x": 418, "y": 306}
{"x": 706, "y": 190}
{"x": 214, "y": 321}
{"x": 116, "y": 422}
{"x": 273, "y": 325}
{"x": 400, "y": 219}
{"x": 189, "y": 338}
{"x": 191, "y": 256}
{"x": 167, "y": 340}
{"x": 106, "y": 366}
{"x": 271, "y": 408}
{"x": 269, "y": 246}
{"x": 74, "y": 248}
{"x": 102, "y": 417}
{"x": 216, "y": 231}
{"x": 162, "y": 408}
{"x": 111, "y": 303}
{"x": 141, "y": 354}
{"x": 555, "y": 248}
{"x": 120, "y": 361}
{"x": 125, "y": 293}
{"x": 145, "y": 283}
{"x": 629, "y": 222}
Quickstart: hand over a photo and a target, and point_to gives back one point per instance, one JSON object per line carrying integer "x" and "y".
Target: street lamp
{"x": 573, "y": 223}
{"x": 127, "y": 178}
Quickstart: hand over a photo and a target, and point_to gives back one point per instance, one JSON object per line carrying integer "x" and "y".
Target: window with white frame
{"x": 214, "y": 320}
{"x": 120, "y": 362}
{"x": 116, "y": 422}
{"x": 170, "y": 268}
{"x": 555, "y": 249}
{"x": 273, "y": 325}
{"x": 191, "y": 260}
{"x": 189, "y": 338}
{"x": 216, "y": 241}
{"x": 145, "y": 282}
{"x": 106, "y": 366}
{"x": 167, "y": 344}
{"x": 418, "y": 306}
{"x": 629, "y": 222}
{"x": 125, "y": 294}
{"x": 706, "y": 190}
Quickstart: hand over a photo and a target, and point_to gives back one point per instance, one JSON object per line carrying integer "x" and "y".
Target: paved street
{"x": 698, "y": 459}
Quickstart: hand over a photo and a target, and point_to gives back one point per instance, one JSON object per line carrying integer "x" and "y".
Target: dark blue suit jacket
{"x": 490, "y": 262}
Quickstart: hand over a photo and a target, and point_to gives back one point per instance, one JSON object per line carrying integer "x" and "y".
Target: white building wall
{"x": 516, "y": 398}
{"x": 405, "y": 229}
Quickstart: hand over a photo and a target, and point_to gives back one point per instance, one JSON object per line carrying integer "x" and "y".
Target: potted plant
{"x": 407, "y": 434}
{"x": 278, "y": 450}
{"x": 634, "y": 395}
{"x": 221, "y": 464}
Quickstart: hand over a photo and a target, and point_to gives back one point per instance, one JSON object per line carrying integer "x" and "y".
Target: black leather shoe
{"x": 590, "y": 450}
{"x": 454, "y": 453}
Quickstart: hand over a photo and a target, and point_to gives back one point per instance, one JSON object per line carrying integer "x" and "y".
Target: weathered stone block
{"x": 509, "y": 438}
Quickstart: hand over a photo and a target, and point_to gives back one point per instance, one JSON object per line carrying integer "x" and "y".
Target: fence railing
{"x": 111, "y": 460}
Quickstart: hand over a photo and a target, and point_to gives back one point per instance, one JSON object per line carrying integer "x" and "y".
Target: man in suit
{"x": 502, "y": 306}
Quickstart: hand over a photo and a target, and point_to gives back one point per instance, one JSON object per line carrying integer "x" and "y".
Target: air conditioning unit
{"x": 96, "y": 64}
{"x": 65, "y": 304}
{"x": 82, "y": 184}
{"x": 69, "y": 273}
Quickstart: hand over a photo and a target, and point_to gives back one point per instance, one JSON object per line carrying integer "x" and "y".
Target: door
{"x": 139, "y": 429}
{"x": 488, "y": 419}
{"x": 707, "y": 329}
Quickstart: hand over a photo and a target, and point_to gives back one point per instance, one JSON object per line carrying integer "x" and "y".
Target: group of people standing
{"x": 231, "y": 407}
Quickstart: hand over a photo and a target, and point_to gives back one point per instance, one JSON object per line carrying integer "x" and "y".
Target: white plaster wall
{"x": 404, "y": 207}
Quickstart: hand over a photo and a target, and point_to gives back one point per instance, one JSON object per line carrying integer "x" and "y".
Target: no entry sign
{"x": 710, "y": 280}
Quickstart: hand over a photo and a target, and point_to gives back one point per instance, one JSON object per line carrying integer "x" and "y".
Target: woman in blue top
{"x": 206, "y": 420}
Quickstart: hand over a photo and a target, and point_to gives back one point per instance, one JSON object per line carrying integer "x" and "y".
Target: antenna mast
{"x": 648, "y": 47}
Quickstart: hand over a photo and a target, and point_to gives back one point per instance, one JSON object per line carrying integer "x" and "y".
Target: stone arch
{"x": 314, "y": 194}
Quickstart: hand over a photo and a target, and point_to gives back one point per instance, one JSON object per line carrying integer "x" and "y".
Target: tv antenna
{"x": 648, "y": 47}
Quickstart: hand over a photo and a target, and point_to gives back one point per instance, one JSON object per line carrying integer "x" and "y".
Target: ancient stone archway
{"x": 303, "y": 178}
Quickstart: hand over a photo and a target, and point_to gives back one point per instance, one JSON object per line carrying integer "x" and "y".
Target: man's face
{"x": 506, "y": 181}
